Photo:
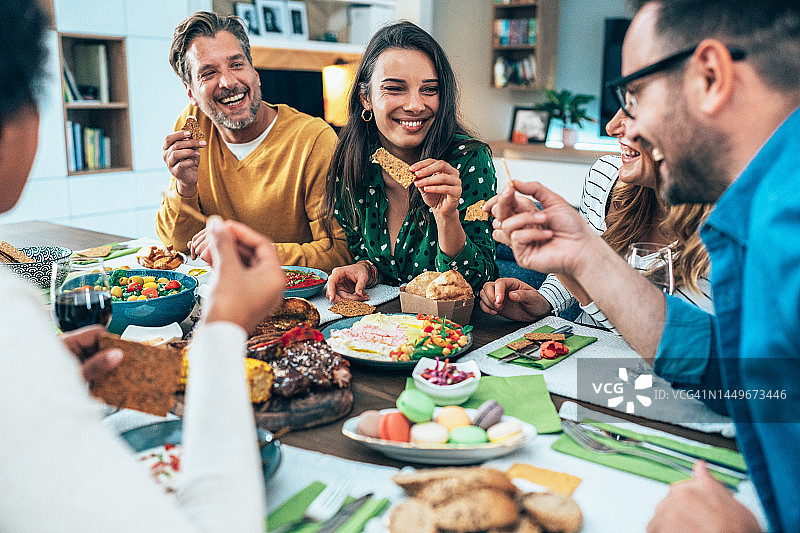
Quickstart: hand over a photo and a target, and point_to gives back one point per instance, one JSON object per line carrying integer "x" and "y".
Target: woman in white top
{"x": 61, "y": 469}
{"x": 620, "y": 202}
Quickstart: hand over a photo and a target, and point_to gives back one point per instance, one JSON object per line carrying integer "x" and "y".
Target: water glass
{"x": 653, "y": 261}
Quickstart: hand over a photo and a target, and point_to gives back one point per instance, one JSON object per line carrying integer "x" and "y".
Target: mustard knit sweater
{"x": 277, "y": 189}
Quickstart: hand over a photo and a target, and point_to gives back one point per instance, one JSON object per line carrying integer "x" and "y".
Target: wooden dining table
{"x": 373, "y": 388}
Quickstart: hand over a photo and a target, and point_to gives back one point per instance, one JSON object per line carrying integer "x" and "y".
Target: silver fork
{"x": 329, "y": 501}
{"x": 585, "y": 439}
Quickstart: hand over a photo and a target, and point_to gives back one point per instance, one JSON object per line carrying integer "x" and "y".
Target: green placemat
{"x": 523, "y": 397}
{"x": 574, "y": 343}
{"x": 292, "y": 510}
{"x": 645, "y": 467}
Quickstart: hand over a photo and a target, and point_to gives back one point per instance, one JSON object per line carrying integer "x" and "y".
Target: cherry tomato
{"x": 174, "y": 284}
{"x": 133, "y": 286}
{"x": 150, "y": 292}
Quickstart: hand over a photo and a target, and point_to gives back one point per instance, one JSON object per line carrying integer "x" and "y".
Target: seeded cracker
{"x": 396, "y": 168}
{"x": 9, "y": 254}
{"x": 520, "y": 344}
{"x": 534, "y": 336}
{"x": 144, "y": 380}
{"x": 352, "y": 308}
{"x": 100, "y": 251}
{"x": 192, "y": 126}
{"x": 476, "y": 212}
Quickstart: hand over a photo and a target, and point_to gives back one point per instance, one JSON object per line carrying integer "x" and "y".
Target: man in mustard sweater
{"x": 256, "y": 163}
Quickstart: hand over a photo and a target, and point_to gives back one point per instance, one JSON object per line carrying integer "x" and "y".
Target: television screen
{"x": 299, "y": 89}
{"x": 612, "y": 65}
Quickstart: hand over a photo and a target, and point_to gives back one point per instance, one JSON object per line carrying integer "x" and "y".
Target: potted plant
{"x": 569, "y": 108}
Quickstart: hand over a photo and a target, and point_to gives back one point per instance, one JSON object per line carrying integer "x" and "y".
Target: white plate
{"x": 160, "y": 335}
{"x": 444, "y": 454}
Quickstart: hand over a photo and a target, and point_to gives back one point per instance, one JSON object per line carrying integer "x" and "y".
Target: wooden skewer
{"x": 197, "y": 215}
{"x": 510, "y": 179}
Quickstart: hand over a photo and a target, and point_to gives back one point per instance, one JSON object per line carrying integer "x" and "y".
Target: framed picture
{"x": 272, "y": 18}
{"x": 529, "y": 125}
{"x": 298, "y": 20}
{"x": 249, "y": 14}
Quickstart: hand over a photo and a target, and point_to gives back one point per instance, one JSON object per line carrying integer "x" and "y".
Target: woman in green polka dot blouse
{"x": 404, "y": 100}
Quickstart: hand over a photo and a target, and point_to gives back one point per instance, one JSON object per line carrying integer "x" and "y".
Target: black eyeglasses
{"x": 619, "y": 86}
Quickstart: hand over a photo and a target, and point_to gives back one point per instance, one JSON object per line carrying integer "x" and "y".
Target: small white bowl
{"x": 447, "y": 394}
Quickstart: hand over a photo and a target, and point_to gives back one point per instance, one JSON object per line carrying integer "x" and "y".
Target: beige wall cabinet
{"x": 524, "y": 43}
{"x": 90, "y": 121}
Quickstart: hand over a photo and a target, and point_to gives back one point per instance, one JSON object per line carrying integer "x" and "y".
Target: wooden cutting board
{"x": 299, "y": 412}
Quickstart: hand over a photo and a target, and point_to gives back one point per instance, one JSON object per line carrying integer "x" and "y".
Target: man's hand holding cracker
{"x": 182, "y": 156}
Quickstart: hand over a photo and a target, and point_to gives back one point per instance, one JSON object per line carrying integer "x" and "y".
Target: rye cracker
{"x": 540, "y": 337}
{"x": 476, "y": 212}
{"x": 520, "y": 344}
{"x": 192, "y": 126}
{"x": 396, "y": 168}
{"x": 144, "y": 380}
{"x": 352, "y": 308}
{"x": 99, "y": 251}
{"x": 9, "y": 254}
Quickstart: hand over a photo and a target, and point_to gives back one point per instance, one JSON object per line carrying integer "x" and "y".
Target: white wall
{"x": 116, "y": 202}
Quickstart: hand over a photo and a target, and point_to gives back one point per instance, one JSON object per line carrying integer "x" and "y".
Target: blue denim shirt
{"x": 753, "y": 341}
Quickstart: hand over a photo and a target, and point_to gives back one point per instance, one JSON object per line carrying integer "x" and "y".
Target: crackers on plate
{"x": 351, "y": 308}
{"x": 541, "y": 337}
{"x": 145, "y": 379}
{"x": 395, "y": 167}
{"x": 99, "y": 251}
{"x": 476, "y": 212}
{"x": 192, "y": 126}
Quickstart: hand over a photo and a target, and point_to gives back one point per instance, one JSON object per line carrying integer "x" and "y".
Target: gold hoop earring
{"x": 364, "y": 117}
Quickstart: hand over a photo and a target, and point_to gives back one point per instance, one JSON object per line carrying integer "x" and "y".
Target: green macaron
{"x": 468, "y": 435}
{"x": 416, "y": 405}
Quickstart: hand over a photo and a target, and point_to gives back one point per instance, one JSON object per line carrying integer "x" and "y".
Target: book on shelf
{"x": 515, "y": 32}
{"x": 91, "y": 71}
{"x": 77, "y": 142}
{"x": 70, "y": 147}
{"x": 71, "y": 93}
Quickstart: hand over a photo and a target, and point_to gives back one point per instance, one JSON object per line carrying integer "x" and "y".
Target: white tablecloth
{"x": 562, "y": 377}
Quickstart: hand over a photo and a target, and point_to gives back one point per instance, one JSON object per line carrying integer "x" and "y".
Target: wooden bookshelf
{"x": 540, "y": 55}
{"x": 112, "y": 116}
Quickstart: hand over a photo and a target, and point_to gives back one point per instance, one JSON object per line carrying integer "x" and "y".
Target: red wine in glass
{"x": 80, "y": 308}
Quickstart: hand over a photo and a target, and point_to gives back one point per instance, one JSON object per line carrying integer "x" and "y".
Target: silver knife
{"x": 344, "y": 514}
{"x": 711, "y": 464}
{"x": 515, "y": 354}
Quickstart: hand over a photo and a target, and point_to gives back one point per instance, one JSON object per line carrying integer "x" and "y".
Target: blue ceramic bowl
{"x": 305, "y": 292}
{"x": 157, "y": 311}
{"x": 40, "y": 271}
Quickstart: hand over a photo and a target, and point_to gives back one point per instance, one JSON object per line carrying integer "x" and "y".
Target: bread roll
{"x": 420, "y": 283}
{"x": 449, "y": 286}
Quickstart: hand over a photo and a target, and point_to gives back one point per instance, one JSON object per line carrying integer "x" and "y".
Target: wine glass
{"x": 653, "y": 261}
{"x": 80, "y": 295}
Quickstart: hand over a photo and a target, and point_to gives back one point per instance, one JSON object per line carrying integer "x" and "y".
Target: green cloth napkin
{"x": 646, "y": 467}
{"x": 574, "y": 343}
{"x": 112, "y": 255}
{"x": 292, "y": 510}
{"x": 523, "y": 397}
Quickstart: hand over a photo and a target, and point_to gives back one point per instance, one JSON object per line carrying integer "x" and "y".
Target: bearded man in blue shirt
{"x": 712, "y": 86}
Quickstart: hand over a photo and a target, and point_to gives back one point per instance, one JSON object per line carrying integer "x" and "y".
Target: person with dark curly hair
{"x": 61, "y": 468}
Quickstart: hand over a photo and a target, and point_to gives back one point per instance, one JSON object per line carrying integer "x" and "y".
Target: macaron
{"x": 467, "y": 435}
{"x": 416, "y": 405}
{"x": 394, "y": 426}
{"x": 504, "y": 431}
{"x": 369, "y": 424}
{"x": 488, "y": 414}
{"x": 452, "y": 416}
{"x": 428, "y": 433}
